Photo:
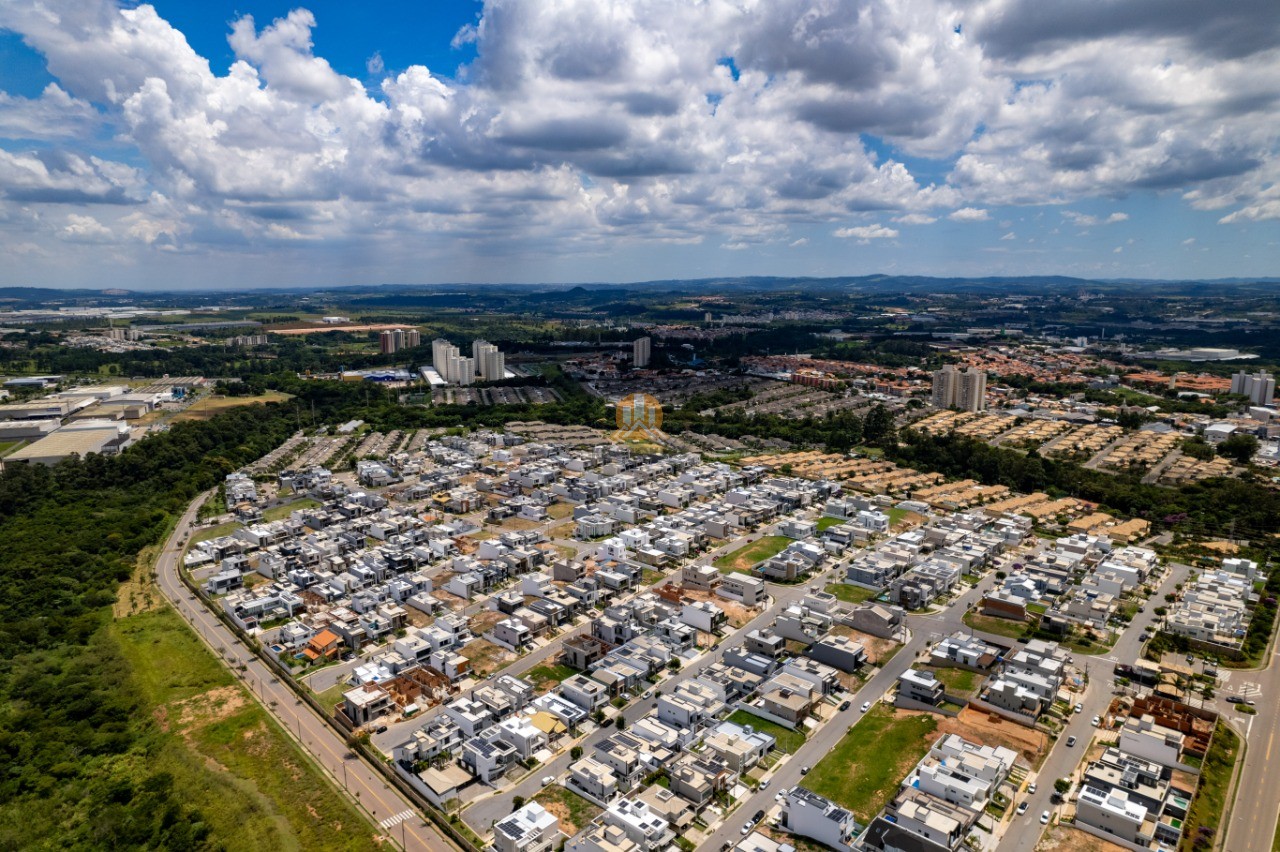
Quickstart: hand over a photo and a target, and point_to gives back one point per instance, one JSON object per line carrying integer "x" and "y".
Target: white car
{"x": 1022, "y": 809}
{"x": 1097, "y": 720}
{"x": 866, "y": 705}
{"x": 746, "y": 829}
{"x": 1044, "y": 818}
{"x": 548, "y": 780}
{"x": 1079, "y": 708}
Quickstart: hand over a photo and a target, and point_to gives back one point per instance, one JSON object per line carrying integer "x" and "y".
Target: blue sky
{"x": 256, "y": 143}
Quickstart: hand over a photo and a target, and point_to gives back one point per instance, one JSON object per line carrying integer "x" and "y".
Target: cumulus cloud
{"x": 915, "y": 219}
{"x": 867, "y": 232}
{"x": 579, "y": 124}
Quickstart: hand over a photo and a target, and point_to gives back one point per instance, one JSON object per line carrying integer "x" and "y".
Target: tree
{"x": 576, "y": 752}
{"x": 517, "y": 802}
{"x": 878, "y": 427}
{"x": 1240, "y": 447}
{"x": 1062, "y": 785}
{"x": 621, "y": 723}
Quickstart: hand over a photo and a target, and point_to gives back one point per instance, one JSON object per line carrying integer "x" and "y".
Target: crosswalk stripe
{"x": 391, "y": 822}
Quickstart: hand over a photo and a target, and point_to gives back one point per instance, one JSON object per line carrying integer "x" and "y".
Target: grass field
{"x": 998, "y": 626}
{"x": 864, "y": 769}
{"x": 828, "y": 523}
{"x": 254, "y": 788}
{"x": 746, "y": 557}
{"x": 788, "y": 740}
{"x": 1215, "y": 783}
{"x": 546, "y": 676}
{"x": 958, "y": 681}
{"x": 203, "y": 409}
{"x": 7, "y": 447}
{"x": 851, "y": 594}
{"x": 275, "y": 513}
{"x": 216, "y": 531}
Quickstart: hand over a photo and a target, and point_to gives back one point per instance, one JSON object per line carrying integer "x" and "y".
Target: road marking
{"x": 392, "y": 822}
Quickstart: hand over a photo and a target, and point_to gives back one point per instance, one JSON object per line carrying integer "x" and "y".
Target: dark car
{"x": 759, "y": 816}
{"x": 1234, "y": 699}
{"x": 844, "y": 705}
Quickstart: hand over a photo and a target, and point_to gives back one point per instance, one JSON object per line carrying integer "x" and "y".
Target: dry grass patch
{"x": 486, "y": 657}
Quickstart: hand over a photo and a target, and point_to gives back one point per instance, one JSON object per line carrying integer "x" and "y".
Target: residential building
{"x": 640, "y": 352}
{"x": 529, "y": 829}
{"x": 955, "y": 389}
{"x": 807, "y": 814}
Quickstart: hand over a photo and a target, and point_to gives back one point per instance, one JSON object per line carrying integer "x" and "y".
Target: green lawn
{"x": 548, "y": 672}
{"x": 649, "y": 576}
{"x": 7, "y": 447}
{"x": 277, "y": 512}
{"x": 896, "y": 515}
{"x": 958, "y": 681}
{"x": 998, "y": 626}
{"x": 214, "y": 532}
{"x": 253, "y": 786}
{"x": 864, "y": 769}
{"x": 851, "y": 594}
{"x": 828, "y": 523}
{"x": 1215, "y": 783}
{"x": 749, "y": 555}
{"x": 788, "y": 740}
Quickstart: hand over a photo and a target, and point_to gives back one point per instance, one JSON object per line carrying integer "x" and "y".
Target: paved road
{"x": 1023, "y": 834}
{"x": 384, "y": 805}
{"x": 925, "y": 628}
{"x": 1252, "y": 825}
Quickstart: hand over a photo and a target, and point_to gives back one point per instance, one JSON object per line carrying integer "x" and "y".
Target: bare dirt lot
{"x": 737, "y": 614}
{"x": 877, "y": 648}
{"x": 1065, "y": 838}
{"x": 981, "y": 727}
{"x": 486, "y": 657}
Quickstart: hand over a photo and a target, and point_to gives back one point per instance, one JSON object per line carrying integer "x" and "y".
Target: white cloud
{"x": 1009, "y": 236}
{"x": 867, "y": 232}
{"x": 803, "y": 241}
{"x": 581, "y": 127}
{"x": 915, "y": 219}
{"x": 1189, "y": 241}
{"x": 85, "y": 228}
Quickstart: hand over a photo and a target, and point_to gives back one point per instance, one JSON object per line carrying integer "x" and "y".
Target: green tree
{"x": 1239, "y": 447}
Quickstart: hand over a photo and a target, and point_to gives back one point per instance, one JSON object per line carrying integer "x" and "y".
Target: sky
{"x": 259, "y": 143}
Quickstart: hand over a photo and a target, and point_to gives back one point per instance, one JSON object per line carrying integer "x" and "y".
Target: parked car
{"x": 759, "y": 816}
{"x": 1097, "y": 720}
{"x": 746, "y": 829}
{"x": 1079, "y": 708}
{"x": 648, "y": 693}
{"x": 1022, "y": 809}
{"x": 1071, "y": 741}
{"x": 1031, "y": 789}
{"x": 764, "y": 785}
{"x": 1044, "y": 818}
{"x": 844, "y": 705}
{"x": 1234, "y": 699}
{"x": 804, "y": 770}
{"x": 382, "y": 729}
{"x": 548, "y": 780}
{"x": 866, "y": 705}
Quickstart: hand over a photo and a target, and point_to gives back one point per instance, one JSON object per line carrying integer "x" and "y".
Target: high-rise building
{"x": 955, "y": 389}
{"x": 640, "y": 352}
{"x": 490, "y": 362}
{"x": 393, "y": 340}
{"x": 1260, "y": 387}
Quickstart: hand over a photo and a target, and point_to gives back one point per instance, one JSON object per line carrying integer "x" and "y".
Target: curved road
{"x": 386, "y": 807}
